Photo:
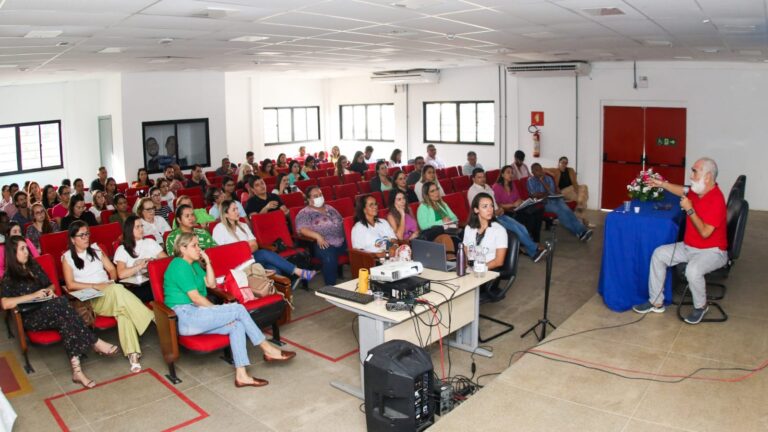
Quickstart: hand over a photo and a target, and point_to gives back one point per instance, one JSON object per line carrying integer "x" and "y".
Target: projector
{"x": 394, "y": 271}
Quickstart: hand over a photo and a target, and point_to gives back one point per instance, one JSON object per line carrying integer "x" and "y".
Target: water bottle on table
{"x": 480, "y": 266}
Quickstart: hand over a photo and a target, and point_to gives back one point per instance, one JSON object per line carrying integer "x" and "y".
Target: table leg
{"x": 467, "y": 336}
{"x": 371, "y": 333}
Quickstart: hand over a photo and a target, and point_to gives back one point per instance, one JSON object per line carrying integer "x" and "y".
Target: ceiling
{"x": 337, "y": 37}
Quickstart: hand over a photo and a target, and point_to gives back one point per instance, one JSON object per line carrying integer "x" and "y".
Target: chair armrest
{"x": 359, "y": 259}
{"x": 167, "y": 332}
{"x": 20, "y": 334}
{"x": 280, "y": 280}
{"x": 221, "y": 295}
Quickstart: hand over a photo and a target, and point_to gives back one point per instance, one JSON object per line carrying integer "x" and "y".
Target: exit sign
{"x": 666, "y": 142}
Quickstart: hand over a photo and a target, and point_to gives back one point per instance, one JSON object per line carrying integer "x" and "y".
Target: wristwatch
{"x": 690, "y": 211}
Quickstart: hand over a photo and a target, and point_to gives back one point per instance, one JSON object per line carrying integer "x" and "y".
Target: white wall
{"x": 240, "y": 138}
{"x": 111, "y": 104}
{"x": 76, "y": 104}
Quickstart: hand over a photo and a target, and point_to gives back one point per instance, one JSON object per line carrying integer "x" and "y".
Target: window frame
{"x": 176, "y": 124}
{"x": 17, "y": 134}
{"x": 381, "y": 122}
{"x": 293, "y": 129}
{"x": 458, "y": 122}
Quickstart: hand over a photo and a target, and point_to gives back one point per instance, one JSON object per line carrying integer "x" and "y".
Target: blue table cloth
{"x": 630, "y": 239}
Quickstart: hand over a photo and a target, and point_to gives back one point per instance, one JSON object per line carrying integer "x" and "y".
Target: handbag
{"x": 84, "y": 310}
{"x": 249, "y": 283}
{"x": 279, "y": 245}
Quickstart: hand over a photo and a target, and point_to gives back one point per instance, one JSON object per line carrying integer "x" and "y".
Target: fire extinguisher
{"x": 536, "y": 140}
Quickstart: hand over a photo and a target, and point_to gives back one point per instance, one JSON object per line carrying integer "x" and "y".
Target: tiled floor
{"x": 534, "y": 394}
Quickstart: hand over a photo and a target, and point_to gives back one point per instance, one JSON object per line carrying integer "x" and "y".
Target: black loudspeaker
{"x": 398, "y": 388}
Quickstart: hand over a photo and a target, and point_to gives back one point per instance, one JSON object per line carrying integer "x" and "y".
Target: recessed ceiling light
{"x": 683, "y": 57}
{"x": 540, "y": 35}
{"x": 280, "y": 64}
{"x": 400, "y": 33}
{"x": 709, "y": 50}
{"x": 386, "y": 50}
{"x": 111, "y": 50}
{"x": 377, "y": 60}
{"x": 249, "y": 39}
{"x": 62, "y": 44}
{"x": 217, "y": 12}
{"x": 43, "y": 34}
{"x": 658, "y": 43}
{"x": 606, "y": 11}
{"x": 267, "y": 53}
{"x": 291, "y": 70}
{"x": 165, "y": 41}
{"x": 751, "y": 52}
{"x": 706, "y": 21}
{"x": 604, "y": 54}
{"x": 160, "y": 60}
{"x": 415, "y": 4}
{"x": 8, "y": 66}
{"x": 739, "y": 28}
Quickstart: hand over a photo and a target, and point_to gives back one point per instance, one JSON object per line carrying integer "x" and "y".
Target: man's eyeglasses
{"x": 84, "y": 235}
{"x": 148, "y": 209}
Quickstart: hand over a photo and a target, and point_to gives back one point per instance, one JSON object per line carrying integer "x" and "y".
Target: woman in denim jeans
{"x": 185, "y": 284}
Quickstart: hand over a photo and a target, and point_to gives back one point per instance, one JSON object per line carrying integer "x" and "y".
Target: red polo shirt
{"x": 711, "y": 209}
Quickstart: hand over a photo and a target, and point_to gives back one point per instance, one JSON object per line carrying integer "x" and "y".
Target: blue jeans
{"x": 273, "y": 261}
{"x": 522, "y": 234}
{"x": 230, "y": 319}
{"x": 330, "y": 260}
{"x": 565, "y": 215}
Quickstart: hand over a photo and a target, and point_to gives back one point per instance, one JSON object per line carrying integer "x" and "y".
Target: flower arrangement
{"x": 640, "y": 190}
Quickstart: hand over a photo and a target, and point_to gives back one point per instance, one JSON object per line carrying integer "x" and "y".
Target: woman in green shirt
{"x": 433, "y": 211}
{"x": 185, "y": 286}
{"x": 185, "y": 221}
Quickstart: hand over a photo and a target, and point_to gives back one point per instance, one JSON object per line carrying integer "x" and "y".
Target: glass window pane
{"x": 448, "y": 126}
{"x": 388, "y": 122}
{"x": 8, "y": 149}
{"x": 270, "y": 125}
{"x": 313, "y": 124}
{"x": 360, "y": 122}
{"x": 468, "y": 130}
{"x": 346, "y": 122}
{"x": 374, "y": 122}
{"x": 299, "y": 124}
{"x": 485, "y": 122}
{"x": 30, "y": 147}
{"x": 433, "y": 122}
{"x": 284, "y": 132}
{"x": 50, "y": 140}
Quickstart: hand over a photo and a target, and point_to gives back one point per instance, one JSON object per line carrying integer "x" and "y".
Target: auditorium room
{"x": 383, "y": 215}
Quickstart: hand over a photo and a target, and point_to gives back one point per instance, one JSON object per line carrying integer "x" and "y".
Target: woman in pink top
{"x": 508, "y": 197}
{"x": 400, "y": 218}
{"x": 62, "y": 208}
{"x": 14, "y": 229}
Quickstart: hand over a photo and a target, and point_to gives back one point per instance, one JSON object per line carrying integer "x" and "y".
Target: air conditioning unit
{"x": 569, "y": 68}
{"x": 412, "y": 76}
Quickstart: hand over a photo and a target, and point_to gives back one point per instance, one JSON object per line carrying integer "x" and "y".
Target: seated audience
{"x": 184, "y": 286}
{"x": 335, "y": 155}
{"x": 132, "y": 256}
{"x": 282, "y": 161}
{"x": 400, "y": 217}
{"x": 77, "y": 212}
{"x": 263, "y": 202}
{"x": 267, "y": 169}
{"x": 432, "y": 158}
{"x": 310, "y": 164}
{"x": 176, "y": 180}
{"x": 508, "y": 197}
{"x": 415, "y": 175}
{"x": 99, "y": 205}
{"x": 245, "y": 171}
{"x": 226, "y": 169}
{"x": 24, "y": 281}
{"x": 50, "y": 197}
{"x": 166, "y": 194}
{"x": 41, "y": 224}
{"x": 232, "y": 230}
{"x": 368, "y": 154}
{"x": 381, "y": 182}
{"x": 282, "y": 186}
{"x": 198, "y": 179}
{"x": 34, "y": 193}
{"x": 6, "y": 204}
{"x": 185, "y": 223}
{"x": 325, "y": 226}
{"x": 224, "y": 196}
{"x": 302, "y": 153}
{"x": 13, "y": 229}
{"x": 565, "y": 179}
{"x": 295, "y": 173}
{"x": 399, "y": 183}
{"x": 341, "y": 167}
{"x": 358, "y": 164}
{"x": 250, "y": 160}
{"x": 485, "y": 233}
{"x": 370, "y": 233}
{"x": 534, "y": 251}
{"x": 100, "y": 182}
{"x": 202, "y": 217}
{"x": 471, "y": 164}
{"x": 154, "y": 225}
{"x": 85, "y": 266}
{"x": 110, "y": 190}
{"x": 162, "y": 210}
{"x": 433, "y": 211}
{"x": 519, "y": 169}
{"x": 541, "y": 185}
{"x": 395, "y": 159}
{"x": 121, "y": 210}
{"x": 142, "y": 179}
{"x": 322, "y": 157}
{"x": 21, "y": 203}
{"x": 79, "y": 187}
{"x": 60, "y": 210}
{"x": 428, "y": 175}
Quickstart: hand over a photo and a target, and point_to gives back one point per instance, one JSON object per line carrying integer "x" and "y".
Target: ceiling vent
{"x": 412, "y": 76}
{"x": 569, "y": 68}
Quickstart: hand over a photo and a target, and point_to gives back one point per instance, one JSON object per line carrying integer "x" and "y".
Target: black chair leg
{"x": 227, "y": 356}
{"x": 28, "y": 366}
{"x": 509, "y": 328}
{"x": 711, "y": 302}
{"x": 172, "y": 374}
{"x": 276, "y": 335}
{"x": 8, "y": 324}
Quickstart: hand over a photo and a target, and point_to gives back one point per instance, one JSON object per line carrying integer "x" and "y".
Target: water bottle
{"x": 471, "y": 254}
{"x": 480, "y": 266}
{"x": 461, "y": 261}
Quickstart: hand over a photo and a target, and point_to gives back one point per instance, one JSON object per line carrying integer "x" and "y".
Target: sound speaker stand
{"x": 544, "y": 321}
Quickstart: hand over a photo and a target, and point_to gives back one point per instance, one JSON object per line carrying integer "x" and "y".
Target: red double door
{"x": 631, "y": 132}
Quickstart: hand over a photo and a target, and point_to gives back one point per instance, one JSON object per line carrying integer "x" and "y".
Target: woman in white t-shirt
{"x": 132, "y": 257}
{"x": 154, "y": 225}
{"x": 485, "y": 233}
{"x": 370, "y": 233}
{"x": 231, "y": 230}
{"x": 99, "y": 205}
{"x": 165, "y": 191}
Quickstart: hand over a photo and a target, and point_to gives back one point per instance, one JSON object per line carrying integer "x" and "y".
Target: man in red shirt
{"x": 704, "y": 246}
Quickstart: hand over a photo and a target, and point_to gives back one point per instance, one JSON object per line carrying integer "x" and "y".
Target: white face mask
{"x": 318, "y": 202}
{"x": 698, "y": 186}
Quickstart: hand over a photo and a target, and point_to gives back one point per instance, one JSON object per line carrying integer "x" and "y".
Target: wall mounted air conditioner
{"x": 569, "y": 68}
{"x": 412, "y": 76}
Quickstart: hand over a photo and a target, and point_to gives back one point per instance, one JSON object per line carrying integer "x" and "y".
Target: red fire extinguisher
{"x": 536, "y": 140}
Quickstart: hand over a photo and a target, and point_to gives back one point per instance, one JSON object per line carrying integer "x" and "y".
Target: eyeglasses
{"x": 148, "y": 209}
{"x": 156, "y": 195}
{"x": 84, "y": 235}
{"x": 39, "y": 212}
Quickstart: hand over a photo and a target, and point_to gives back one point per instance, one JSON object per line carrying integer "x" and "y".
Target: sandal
{"x": 111, "y": 352}
{"x": 77, "y": 370}
{"x": 307, "y": 275}
{"x": 133, "y": 359}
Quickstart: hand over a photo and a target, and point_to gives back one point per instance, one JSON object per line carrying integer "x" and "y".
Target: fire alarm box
{"x": 537, "y": 118}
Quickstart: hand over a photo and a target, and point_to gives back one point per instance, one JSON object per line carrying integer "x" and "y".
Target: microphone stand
{"x": 544, "y": 321}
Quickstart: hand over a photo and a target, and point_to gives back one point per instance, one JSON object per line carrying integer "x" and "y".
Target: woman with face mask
{"x": 325, "y": 226}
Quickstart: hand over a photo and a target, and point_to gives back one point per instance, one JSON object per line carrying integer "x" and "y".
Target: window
{"x": 459, "y": 122}
{"x": 291, "y": 124}
{"x": 29, "y": 147}
{"x": 371, "y": 122}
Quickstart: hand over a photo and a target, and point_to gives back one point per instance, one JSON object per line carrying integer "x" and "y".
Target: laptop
{"x": 431, "y": 255}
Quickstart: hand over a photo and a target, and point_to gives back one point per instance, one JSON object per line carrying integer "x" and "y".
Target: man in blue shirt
{"x": 541, "y": 185}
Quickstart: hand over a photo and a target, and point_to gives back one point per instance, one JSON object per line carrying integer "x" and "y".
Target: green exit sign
{"x": 667, "y": 142}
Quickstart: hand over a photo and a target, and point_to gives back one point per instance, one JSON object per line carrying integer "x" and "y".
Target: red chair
{"x": 135, "y": 191}
{"x": 446, "y": 184}
{"x": 282, "y": 170}
{"x": 212, "y": 225}
{"x": 54, "y": 244}
{"x": 197, "y": 202}
{"x": 358, "y": 259}
{"x": 442, "y": 173}
{"x": 452, "y": 172}
{"x": 316, "y": 174}
{"x": 352, "y": 178}
{"x": 328, "y": 192}
{"x": 375, "y": 195}
{"x": 408, "y": 168}
{"x": 369, "y": 175}
{"x": 190, "y": 191}
{"x": 294, "y": 199}
{"x": 167, "y": 327}
{"x": 383, "y": 213}
{"x": 328, "y": 181}
{"x": 38, "y": 337}
{"x": 345, "y": 206}
{"x": 491, "y": 176}
{"x": 50, "y": 213}
{"x": 414, "y": 208}
{"x": 304, "y": 184}
{"x": 348, "y": 190}
{"x": 385, "y": 196}
{"x": 458, "y": 203}
{"x": 391, "y": 171}
{"x": 268, "y": 227}
{"x": 106, "y": 234}
{"x": 461, "y": 183}
{"x": 105, "y": 215}
{"x": 122, "y": 187}
{"x": 326, "y": 166}
{"x": 209, "y": 174}
{"x": 364, "y": 187}
{"x": 132, "y": 200}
